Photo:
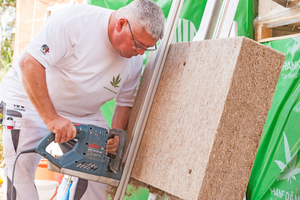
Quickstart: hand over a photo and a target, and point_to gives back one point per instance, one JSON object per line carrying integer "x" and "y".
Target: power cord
{"x": 13, "y": 173}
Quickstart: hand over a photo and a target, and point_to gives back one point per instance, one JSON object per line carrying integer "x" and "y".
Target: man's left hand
{"x": 112, "y": 145}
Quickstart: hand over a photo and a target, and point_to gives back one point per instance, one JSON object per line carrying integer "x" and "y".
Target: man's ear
{"x": 120, "y": 24}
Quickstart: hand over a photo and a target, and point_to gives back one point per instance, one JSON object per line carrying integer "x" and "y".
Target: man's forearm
{"x": 119, "y": 121}
{"x": 34, "y": 82}
{"x": 120, "y": 117}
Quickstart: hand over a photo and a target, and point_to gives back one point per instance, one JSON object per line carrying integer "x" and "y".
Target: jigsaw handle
{"x": 42, "y": 145}
{"x": 115, "y": 165}
{"x": 41, "y": 149}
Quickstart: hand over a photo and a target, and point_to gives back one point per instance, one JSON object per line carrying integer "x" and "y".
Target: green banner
{"x": 276, "y": 171}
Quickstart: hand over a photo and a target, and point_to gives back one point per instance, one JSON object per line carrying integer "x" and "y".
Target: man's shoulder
{"x": 89, "y": 8}
{"x": 136, "y": 63}
{"x": 80, "y": 11}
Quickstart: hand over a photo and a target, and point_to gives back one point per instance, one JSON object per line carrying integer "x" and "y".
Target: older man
{"x": 81, "y": 58}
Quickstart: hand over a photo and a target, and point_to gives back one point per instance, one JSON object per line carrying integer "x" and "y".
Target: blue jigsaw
{"x": 87, "y": 160}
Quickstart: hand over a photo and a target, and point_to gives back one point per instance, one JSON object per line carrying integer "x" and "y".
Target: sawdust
{"x": 137, "y": 184}
{"x": 156, "y": 191}
{"x": 172, "y": 197}
{"x": 111, "y": 190}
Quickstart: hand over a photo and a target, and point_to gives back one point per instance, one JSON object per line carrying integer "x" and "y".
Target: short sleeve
{"x": 128, "y": 92}
{"x": 51, "y": 43}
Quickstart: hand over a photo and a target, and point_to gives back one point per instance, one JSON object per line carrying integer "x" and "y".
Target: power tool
{"x": 87, "y": 160}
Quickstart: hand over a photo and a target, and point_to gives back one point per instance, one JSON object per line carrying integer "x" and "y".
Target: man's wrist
{"x": 50, "y": 117}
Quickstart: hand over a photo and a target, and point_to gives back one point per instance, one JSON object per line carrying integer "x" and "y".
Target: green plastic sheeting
{"x": 187, "y": 26}
{"x": 244, "y": 16}
{"x": 276, "y": 171}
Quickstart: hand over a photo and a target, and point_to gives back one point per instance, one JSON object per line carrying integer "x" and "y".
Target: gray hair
{"x": 146, "y": 13}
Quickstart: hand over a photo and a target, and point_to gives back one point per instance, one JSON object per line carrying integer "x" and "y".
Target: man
{"x": 66, "y": 74}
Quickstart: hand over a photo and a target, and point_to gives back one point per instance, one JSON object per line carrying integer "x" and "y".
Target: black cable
{"x": 13, "y": 172}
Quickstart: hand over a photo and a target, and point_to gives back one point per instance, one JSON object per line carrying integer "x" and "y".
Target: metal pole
{"x": 144, "y": 111}
{"x": 225, "y": 20}
{"x": 209, "y": 19}
{"x": 217, "y": 19}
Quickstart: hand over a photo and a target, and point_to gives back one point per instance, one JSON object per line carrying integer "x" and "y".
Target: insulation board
{"x": 207, "y": 117}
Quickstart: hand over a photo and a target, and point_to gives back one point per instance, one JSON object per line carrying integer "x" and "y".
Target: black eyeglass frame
{"x": 137, "y": 46}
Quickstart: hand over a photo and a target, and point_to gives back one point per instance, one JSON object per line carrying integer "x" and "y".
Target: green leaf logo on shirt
{"x": 288, "y": 170}
{"x": 115, "y": 81}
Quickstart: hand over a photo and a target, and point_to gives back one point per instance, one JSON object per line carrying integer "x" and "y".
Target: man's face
{"x": 134, "y": 41}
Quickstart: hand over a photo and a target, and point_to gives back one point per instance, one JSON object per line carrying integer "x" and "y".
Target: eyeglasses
{"x": 136, "y": 46}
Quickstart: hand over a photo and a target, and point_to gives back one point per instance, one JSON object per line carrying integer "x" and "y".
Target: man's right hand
{"x": 63, "y": 129}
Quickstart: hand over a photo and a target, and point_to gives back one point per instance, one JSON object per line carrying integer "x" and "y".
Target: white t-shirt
{"x": 83, "y": 70}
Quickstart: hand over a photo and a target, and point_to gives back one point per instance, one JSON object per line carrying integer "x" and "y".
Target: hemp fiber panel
{"x": 207, "y": 117}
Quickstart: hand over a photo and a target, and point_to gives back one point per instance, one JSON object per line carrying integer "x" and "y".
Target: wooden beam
{"x": 278, "y": 38}
{"x": 262, "y": 33}
{"x": 295, "y": 28}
